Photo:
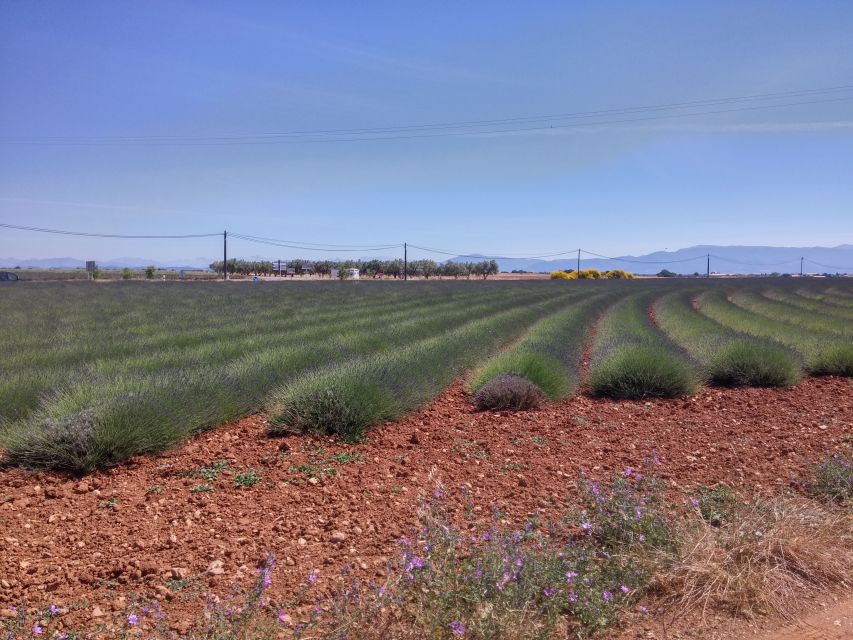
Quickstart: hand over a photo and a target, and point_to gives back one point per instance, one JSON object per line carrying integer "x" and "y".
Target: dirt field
{"x": 131, "y": 530}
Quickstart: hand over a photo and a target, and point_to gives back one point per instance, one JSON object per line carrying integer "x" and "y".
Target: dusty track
{"x": 123, "y": 532}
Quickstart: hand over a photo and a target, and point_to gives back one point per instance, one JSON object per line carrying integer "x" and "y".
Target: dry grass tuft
{"x": 770, "y": 554}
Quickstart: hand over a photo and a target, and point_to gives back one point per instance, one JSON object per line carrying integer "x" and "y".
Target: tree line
{"x": 367, "y": 268}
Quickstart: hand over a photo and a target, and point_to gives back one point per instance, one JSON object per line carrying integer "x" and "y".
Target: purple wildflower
{"x": 548, "y": 591}
{"x": 607, "y": 596}
{"x": 571, "y": 575}
{"x": 458, "y": 628}
{"x": 573, "y": 597}
{"x": 628, "y": 472}
{"x": 694, "y": 502}
{"x": 586, "y": 526}
{"x": 282, "y": 616}
{"x": 133, "y": 619}
{"x": 37, "y": 629}
{"x": 312, "y": 577}
{"x": 624, "y": 589}
{"x": 53, "y": 609}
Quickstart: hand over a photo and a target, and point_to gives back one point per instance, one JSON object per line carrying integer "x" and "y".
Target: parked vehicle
{"x": 8, "y": 276}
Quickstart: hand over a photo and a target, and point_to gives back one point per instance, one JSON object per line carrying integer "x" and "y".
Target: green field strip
{"x": 809, "y": 305}
{"x": 351, "y": 397}
{"x": 813, "y": 346}
{"x": 549, "y": 353}
{"x": 141, "y": 415}
{"x": 632, "y": 358}
{"x": 276, "y": 360}
{"x": 756, "y": 303}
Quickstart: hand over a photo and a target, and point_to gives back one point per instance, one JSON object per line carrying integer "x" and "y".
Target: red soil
{"x": 62, "y": 542}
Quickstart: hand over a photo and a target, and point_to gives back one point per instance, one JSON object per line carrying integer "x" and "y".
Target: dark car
{"x": 8, "y": 275}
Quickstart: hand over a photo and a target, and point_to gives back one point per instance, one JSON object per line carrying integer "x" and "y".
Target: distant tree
{"x": 126, "y": 274}
{"x": 149, "y": 272}
{"x": 666, "y": 273}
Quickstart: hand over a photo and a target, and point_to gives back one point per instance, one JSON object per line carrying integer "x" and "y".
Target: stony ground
{"x": 177, "y": 525}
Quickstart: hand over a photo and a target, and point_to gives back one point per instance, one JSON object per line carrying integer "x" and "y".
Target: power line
{"x": 598, "y": 255}
{"x": 320, "y": 244}
{"x": 291, "y": 138}
{"x": 829, "y": 266}
{"x": 465, "y": 123}
{"x": 305, "y": 248}
{"x": 106, "y": 235}
{"x": 480, "y": 255}
{"x": 755, "y": 264}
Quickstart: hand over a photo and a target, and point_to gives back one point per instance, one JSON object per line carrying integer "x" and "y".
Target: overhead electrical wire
{"x": 108, "y": 235}
{"x": 325, "y": 247}
{"x": 306, "y": 248}
{"x": 474, "y": 127}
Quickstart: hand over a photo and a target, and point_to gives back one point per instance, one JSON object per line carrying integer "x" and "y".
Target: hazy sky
{"x": 199, "y": 70}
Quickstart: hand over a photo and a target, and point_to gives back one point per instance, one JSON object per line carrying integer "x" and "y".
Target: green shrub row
{"x": 727, "y": 357}
{"x": 633, "y": 359}
{"x": 548, "y": 357}
{"x": 824, "y": 353}
{"x": 350, "y": 397}
{"x": 127, "y": 414}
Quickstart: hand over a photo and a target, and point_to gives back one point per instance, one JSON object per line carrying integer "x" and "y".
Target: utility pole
{"x": 801, "y": 267}
{"x": 279, "y": 268}
{"x": 225, "y": 255}
{"x": 405, "y": 261}
{"x": 708, "y": 267}
{"x": 579, "y": 261}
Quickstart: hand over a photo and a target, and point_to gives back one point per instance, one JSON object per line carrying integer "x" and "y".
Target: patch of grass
{"x": 346, "y": 458}
{"x": 753, "y": 364}
{"x": 769, "y": 554}
{"x": 716, "y": 504}
{"x": 833, "y": 478}
{"x": 637, "y": 372}
{"x": 112, "y": 503}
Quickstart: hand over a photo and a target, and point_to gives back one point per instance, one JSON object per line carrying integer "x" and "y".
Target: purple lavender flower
{"x": 573, "y": 597}
{"x": 548, "y": 591}
{"x": 312, "y": 577}
{"x": 644, "y": 610}
{"x": 37, "y": 629}
{"x": 628, "y": 472}
{"x": 282, "y": 616}
{"x": 694, "y": 502}
{"x": 458, "y": 628}
{"x": 586, "y": 526}
{"x": 624, "y": 589}
{"x": 607, "y": 596}
{"x": 53, "y": 609}
{"x": 642, "y": 539}
{"x": 571, "y": 575}
{"x": 133, "y": 619}
{"x": 486, "y": 537}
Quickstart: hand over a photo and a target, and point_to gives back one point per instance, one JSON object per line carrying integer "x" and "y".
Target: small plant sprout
{"x": 247, "y": 478}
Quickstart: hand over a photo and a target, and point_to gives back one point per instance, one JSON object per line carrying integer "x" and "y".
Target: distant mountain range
{"x": 115, "y": 263}
{"x": 736, "y": 259}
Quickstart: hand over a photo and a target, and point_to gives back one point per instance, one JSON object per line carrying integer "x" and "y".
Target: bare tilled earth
{"x": 127, "y": 533}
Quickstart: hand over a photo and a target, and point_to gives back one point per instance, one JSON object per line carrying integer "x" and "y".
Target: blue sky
{"x": 777, "y": 176}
